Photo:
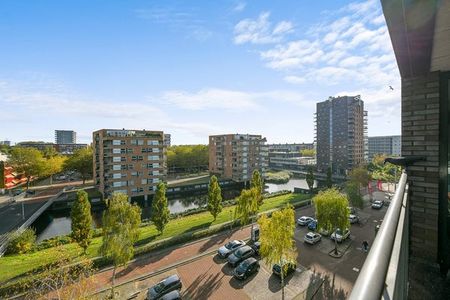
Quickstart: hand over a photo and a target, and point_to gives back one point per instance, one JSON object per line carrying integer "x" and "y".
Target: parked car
{"x": 256, "y": 246}
{"x": 239, "y": 255}
{"x": 353, "y": 219}
{"x": 324, "y": 232}
{"x": 288, "y": 266}
{"x": 339, "y": 235}
{"x": 351, "y": 210}
{"x": 17, "y": 192}
{"x": 377, "y": 204}
{"x": 304, "y": 220}
{"x": 312, "y": 225}
{"x": 229, "y": 248}
{"x": 246, "y": 268}
{"x": 164, "y": 287}
{"x": 173, "y": 295}
{"x": 312, "y": 238}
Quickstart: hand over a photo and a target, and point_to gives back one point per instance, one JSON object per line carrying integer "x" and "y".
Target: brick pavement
{"x": 158, "y": 260}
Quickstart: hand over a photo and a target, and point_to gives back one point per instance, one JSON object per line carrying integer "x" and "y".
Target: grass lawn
{"x": 14, "y": 265}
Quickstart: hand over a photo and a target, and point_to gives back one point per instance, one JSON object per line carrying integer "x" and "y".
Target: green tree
{"x": 82, "y": 162}
{"x": 258, "y": 185}
{"x": 28, "y": 161}
{"x": 53, "y": 165}
{"x": 160, "y": 211}
{"x": 310, "y": 178}
{"x": 21, "y": 242}
{"x": 214, "y": 197}
{"x": 277, "y": 239}
{"x": 49, "y": 152}
{"x": 354, "y": 194}
{"x": 246, "y": 206}
{"x": 121, "y": 221}
{"x": 331, "y": 211}
{"x": 329, "y": 180}
{"x": 308, "y": 152}
{"x": 81, "y": 220}
{"x": 360, "y": 175}
{"x": 187, "y": 158}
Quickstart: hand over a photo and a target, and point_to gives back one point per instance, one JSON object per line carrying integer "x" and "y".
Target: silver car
{"x": 312, "y": 238}
{"x": 229, "y": 248}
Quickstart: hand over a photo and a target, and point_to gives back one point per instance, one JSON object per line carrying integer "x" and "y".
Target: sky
{"x": 191, "y": 68}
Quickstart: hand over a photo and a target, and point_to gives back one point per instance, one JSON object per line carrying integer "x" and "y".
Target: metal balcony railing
{"x": 384, "y": 274}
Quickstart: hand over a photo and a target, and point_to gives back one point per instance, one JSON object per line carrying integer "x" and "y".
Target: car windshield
{"x": 338, "y": 231}
{"x": 310, "y": 235}
{"x": 229, "y": 245}
{"x": 159, "y": 287}
{"x": 243, "y": 266}
{"x": 238, "y": 253}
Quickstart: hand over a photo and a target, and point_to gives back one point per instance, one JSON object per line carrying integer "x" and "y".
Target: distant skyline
{"x": 191, "y": 68}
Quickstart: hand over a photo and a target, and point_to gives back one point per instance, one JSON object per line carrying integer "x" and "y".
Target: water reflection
{"x": 292, "y": 183}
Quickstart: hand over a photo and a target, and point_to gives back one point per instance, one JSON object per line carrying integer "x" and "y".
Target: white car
{"x": 340, "y": 236}
{"x": 377, "y": 204}
{"x": 312, "y": 238}
{"x": 353, "y": 219}
{"x": 304, "y": 220}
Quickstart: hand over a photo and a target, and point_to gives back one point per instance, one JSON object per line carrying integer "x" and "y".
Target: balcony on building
{"x": 410, "y": 256}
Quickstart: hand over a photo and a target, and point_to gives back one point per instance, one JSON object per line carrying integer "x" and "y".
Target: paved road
{"x": 318, "y": 274}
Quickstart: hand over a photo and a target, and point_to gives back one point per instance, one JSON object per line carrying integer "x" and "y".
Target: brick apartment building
{"x": 236, "y": 156}
{"x": 341, "y": 134}
{"x": 132, "y": 162}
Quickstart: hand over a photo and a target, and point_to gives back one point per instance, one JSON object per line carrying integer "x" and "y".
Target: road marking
{"x": 355, "y": 269}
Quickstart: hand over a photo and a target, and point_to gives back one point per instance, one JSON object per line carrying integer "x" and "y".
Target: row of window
{"x": 144, "y": 181}
{"x": 131, "y": 166}
{"x": 136, "y": 142}
{"x": 135, "y": 158}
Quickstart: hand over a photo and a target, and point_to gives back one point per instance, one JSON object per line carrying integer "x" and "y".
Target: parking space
{"x": 318, "y": 275}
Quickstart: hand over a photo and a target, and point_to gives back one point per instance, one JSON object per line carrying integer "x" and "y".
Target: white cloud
{"x": 261, "y": 31}
{"x": 295, "y": 79}
{"x": 240, "y": 6}
{"x": 234, "y": 100}
{"x": 210, "y": 98}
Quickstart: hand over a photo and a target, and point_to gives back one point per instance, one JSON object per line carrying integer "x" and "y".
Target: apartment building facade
{"x": 236, "y": 156}
{"x": 341, "y": 134}
{"x": 389, "y": 145}
{"x": 290, "y": 147}
{"x": 65, "y": 137}
{"x": 132, "y": 162}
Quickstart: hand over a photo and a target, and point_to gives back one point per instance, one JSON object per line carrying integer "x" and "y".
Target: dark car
{"x": 256, "y": 246}
{"x": 246, "y": 268}
{"x": 164, "y": 287}
{"x": 173, "y": 295}
{"x": 17, "y": 192}
{"x": 312, "y": 225}
{"x": 288, "y": 266}
{"x": 240, "y": 255}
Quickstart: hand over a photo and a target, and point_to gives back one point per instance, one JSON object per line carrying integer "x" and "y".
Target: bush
{"x": 53, "y": 242}
{"x": 22, "y": 242}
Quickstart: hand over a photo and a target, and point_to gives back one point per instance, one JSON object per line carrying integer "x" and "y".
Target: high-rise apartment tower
{"x": 65, "y": 137}
{"x": 341, "y": 134}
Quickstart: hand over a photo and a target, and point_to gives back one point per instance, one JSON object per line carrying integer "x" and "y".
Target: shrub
{"x": 22, "y": 242}
{"x": 53, "y": 242}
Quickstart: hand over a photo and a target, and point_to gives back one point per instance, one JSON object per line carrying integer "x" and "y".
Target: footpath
{"x": 158, "y": 262}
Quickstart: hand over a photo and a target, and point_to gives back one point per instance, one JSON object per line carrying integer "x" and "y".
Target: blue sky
{"x": 191, "y": 68}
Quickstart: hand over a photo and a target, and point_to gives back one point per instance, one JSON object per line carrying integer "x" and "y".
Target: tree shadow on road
{"x": 203, "y": 286}
{"x": 217, "y": 239}
{"x": 274, "y": 282}
{"x": 327, "y": 288}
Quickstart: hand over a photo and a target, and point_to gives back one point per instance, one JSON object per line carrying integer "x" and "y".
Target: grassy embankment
{"x": 15, "y": 265}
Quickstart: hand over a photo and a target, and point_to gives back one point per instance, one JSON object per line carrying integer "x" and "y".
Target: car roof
{"x": 250, "y": 260}
{"x": 171, "y": 295}
{"x": 171, "y": 279}
{"x": 244, "y": 248}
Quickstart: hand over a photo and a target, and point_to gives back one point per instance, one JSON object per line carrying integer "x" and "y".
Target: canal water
{"x": 51, "y": 224}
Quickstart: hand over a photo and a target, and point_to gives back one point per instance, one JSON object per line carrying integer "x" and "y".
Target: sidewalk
{"x": 158, "y": 260}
